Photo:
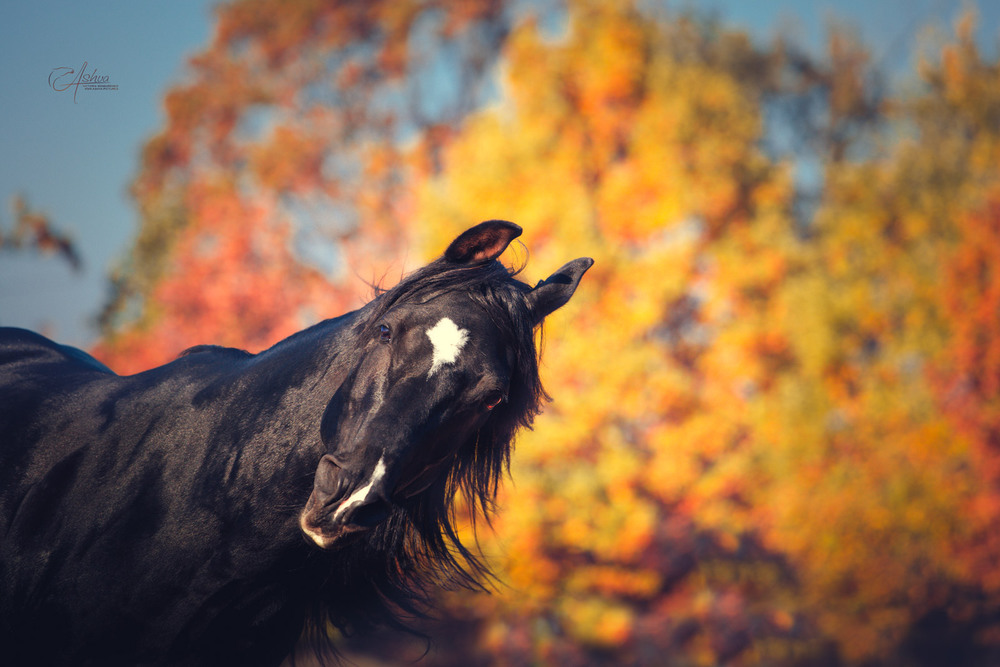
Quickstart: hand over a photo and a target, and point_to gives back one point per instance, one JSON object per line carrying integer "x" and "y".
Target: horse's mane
{"x": 388, "y": 576}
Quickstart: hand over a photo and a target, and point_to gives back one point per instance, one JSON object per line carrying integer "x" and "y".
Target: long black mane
{"x": 390, "y": 576}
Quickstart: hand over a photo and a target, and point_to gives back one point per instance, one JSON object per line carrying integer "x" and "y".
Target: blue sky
{"x": 73, "y": 159}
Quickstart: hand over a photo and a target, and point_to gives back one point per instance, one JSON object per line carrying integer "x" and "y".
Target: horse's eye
{"x": 493, "y": 399}
{"x": 384, "y": 334}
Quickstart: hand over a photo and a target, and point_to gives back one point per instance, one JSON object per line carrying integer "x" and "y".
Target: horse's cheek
{"x": 328, "y": 479}
{"x": 331, "y": 419}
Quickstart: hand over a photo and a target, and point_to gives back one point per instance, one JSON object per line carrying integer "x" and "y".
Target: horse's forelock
{"x": 435, "y": 278}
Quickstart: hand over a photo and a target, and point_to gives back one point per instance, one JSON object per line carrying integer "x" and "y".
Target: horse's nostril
{"x": 369, "y": 515}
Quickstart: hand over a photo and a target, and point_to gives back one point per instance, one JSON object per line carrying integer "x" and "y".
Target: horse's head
{"x": 446, "y": 373}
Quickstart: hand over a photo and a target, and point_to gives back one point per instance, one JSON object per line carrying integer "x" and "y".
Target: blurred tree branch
{"x": 33, "y": 230}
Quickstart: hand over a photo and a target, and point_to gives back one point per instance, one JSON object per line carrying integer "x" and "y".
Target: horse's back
{"x": 40, "y": 380}
{"x": 21, "y": 350}
{"x": 121, "y": 514}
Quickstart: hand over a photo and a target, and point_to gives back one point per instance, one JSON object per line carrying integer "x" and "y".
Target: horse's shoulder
{"x": 20, "y": 346}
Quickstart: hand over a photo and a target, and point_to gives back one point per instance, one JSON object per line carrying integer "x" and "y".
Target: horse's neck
{"x": 286, "y": 390}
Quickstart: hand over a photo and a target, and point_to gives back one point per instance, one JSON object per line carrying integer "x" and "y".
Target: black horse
{"x": 216, "y": 509}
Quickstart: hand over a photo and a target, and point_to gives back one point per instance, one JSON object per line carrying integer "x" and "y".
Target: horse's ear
{"x": 555, "y": 291}
{"x": 482, "y": 243}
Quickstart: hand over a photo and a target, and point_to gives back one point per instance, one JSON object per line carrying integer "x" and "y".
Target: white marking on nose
{"x": 448, "y": 340}
{"x": 361, "y": 494}
{"x": 313, "y": 535}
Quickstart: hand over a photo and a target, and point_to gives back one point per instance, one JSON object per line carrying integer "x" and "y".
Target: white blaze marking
{"x": 361, "y": 494}
{"x": 448, "y": 340}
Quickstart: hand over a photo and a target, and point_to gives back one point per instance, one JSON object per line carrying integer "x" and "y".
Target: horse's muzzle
{"x": 339, "y": 506}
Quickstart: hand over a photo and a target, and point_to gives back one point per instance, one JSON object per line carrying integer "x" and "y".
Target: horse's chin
{"x": 326, "y": 537}
{"x": 314, "y": 521}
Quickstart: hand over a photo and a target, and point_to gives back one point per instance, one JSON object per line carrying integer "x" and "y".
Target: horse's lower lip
{"x": 316, "y": 536}
{"x": 325, "y": 538}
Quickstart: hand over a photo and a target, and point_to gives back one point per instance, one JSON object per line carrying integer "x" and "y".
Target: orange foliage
{"x": 282, "y": 143}
{"x": 234, "y": 280}
{"x": 969, "y": 377}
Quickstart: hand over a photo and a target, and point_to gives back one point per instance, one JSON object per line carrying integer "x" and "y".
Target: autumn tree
{"x": 628, "y": 532}
{"x": 280, "y": 165}
{"x": 961, "y": 192}
{"x": 901, "y": 307}
{"x": 748, "y": 463}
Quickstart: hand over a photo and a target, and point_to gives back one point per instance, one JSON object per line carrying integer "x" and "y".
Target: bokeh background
{"x": 775, "y": 438}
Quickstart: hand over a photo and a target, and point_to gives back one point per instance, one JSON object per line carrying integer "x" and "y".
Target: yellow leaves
{"x": 677, "y": 169}
{"x": 684, "y": 455}
{"x": 805, "y": 311}
{"x": 673, "y": 469}
{"x": 641, "y": 200}
{"x": 617, "y": 526}
{"x": 657, "y": 141}
{"x": 611, "y": 580}
{"x": 868, "y": 521}
{"x": 590, "y": 167}
{"x": 609, "y": 46}
{"x": 715, "y": 370}
{"x": 596, "y": 621}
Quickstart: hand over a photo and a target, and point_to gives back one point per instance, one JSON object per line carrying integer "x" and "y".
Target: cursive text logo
{"x": 62, "y": 79}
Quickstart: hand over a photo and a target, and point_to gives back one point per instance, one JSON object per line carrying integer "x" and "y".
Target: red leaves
{"x": 234, "y": 280}
{"x": 288, "y": 160}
